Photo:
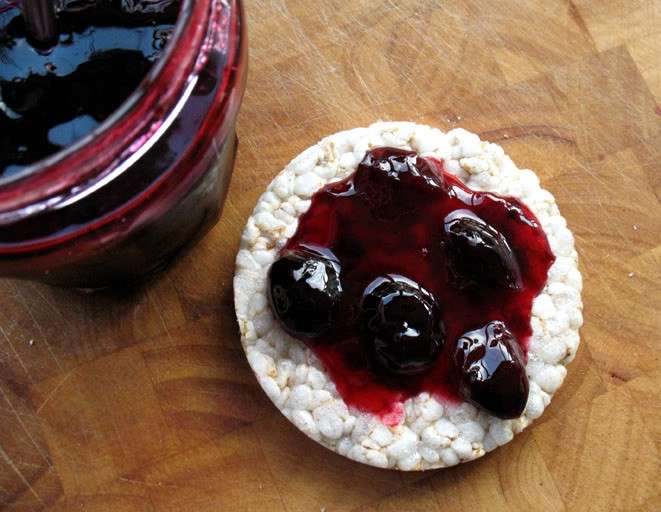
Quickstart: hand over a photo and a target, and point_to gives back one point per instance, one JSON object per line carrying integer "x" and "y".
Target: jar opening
{"x": 82, "y": 131}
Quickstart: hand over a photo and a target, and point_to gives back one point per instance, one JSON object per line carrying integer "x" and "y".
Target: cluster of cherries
{"x": 401, "y": 279}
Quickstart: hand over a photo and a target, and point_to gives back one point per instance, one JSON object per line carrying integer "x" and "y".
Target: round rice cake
{"x": 432, "y": 434}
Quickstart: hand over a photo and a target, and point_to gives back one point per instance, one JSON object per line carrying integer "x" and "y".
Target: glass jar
{"x": 121, "y": 203}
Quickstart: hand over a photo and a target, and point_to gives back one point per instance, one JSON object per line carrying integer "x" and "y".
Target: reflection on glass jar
{"x": 124, "y": 190}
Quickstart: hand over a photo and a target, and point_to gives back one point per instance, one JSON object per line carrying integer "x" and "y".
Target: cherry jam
{"x": 51, "y": 97}
{"x": 475, "y": 258}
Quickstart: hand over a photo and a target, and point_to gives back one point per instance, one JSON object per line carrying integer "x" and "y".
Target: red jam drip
{"x": 401, "y": 232}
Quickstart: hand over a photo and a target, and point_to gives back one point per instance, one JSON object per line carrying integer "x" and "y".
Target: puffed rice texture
{"x": 432, "y": 434}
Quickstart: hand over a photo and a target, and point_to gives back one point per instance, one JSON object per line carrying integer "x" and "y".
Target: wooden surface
{"x": 144, "y": 402}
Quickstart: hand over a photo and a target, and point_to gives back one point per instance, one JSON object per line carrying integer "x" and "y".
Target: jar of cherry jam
{"x": 117, "y": 133}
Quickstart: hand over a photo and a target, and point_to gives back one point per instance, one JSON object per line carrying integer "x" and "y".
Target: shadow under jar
{"x": 119, "y": 204}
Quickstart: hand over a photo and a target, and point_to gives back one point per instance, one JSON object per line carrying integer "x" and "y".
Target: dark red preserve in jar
{"x": 121, "y": 202}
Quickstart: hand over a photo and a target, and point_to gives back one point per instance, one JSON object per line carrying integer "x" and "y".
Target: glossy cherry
{"x": 399, "y": 165}
{"x": 391, "y": 181}
{"x": 305, "y": 291}
{"x": 491, "y": 370}
{"x": 478, "y": 254}
{"x": 401, "y": 328}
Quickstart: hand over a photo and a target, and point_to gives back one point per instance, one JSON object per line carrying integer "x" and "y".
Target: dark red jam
{"x": 118, "y": 205}
{"x": 401, "y": 280}
{"x": 52, "y": 96}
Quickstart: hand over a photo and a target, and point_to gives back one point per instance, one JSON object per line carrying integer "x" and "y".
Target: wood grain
{"x": 144, "y": 402}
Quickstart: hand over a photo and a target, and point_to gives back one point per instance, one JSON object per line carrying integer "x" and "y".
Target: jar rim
{"x": 102, "y": 149}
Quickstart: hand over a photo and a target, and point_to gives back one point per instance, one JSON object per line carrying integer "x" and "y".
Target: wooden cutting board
{"x": 144, "y": 402}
